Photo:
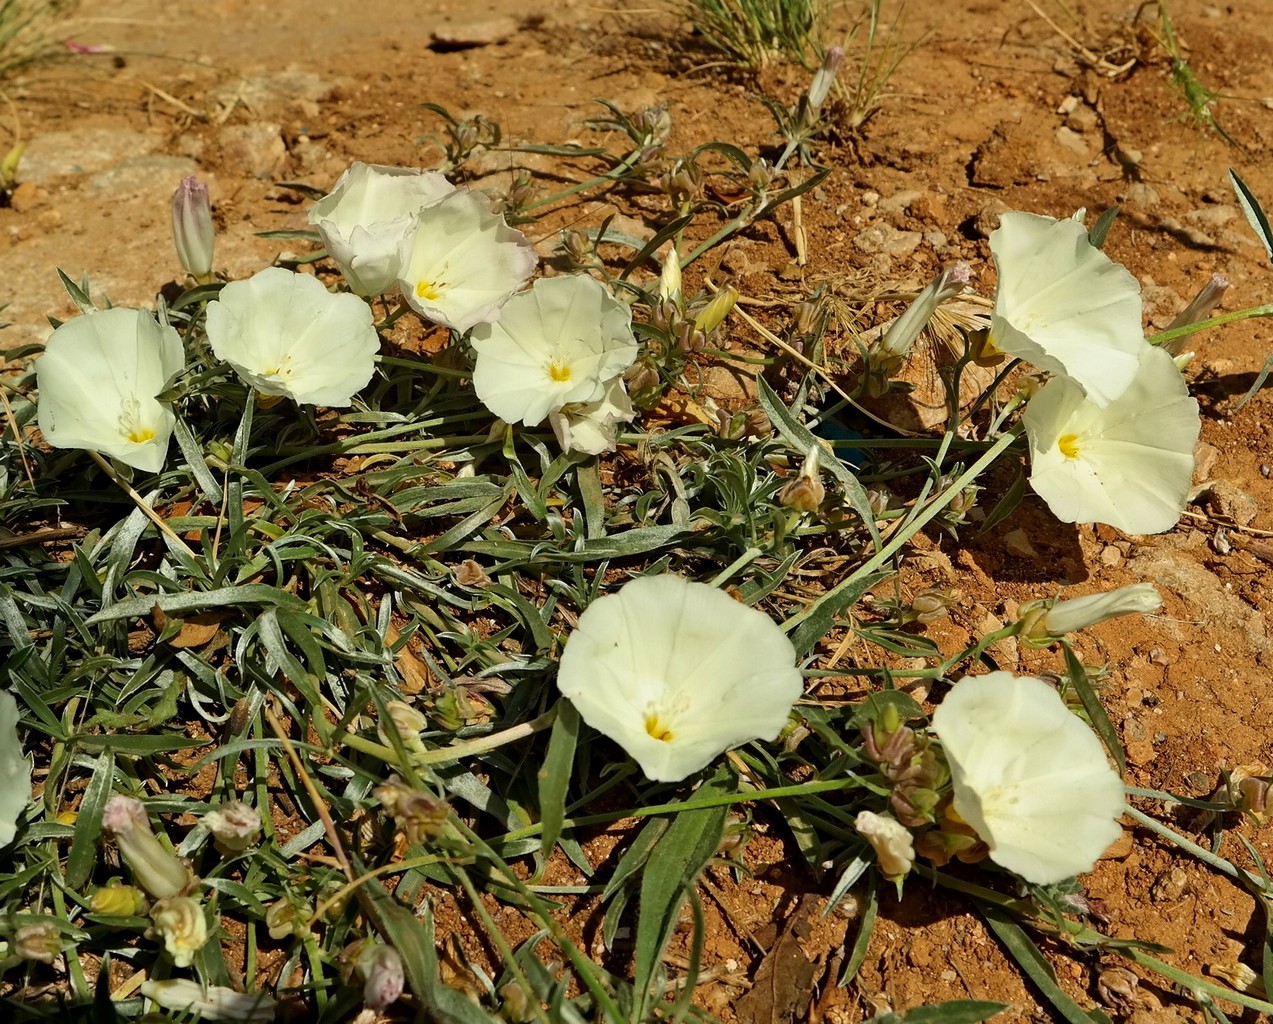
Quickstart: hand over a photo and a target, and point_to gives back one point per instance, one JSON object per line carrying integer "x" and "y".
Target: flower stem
{"x": 1206, "y": 856}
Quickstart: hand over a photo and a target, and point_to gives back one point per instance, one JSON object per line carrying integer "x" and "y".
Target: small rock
{"x": 276, "y": 94}
{"x": 1141, "y": 752}
{"x": 987, "y": 218}
{"x": 1072, "y": 141}
{"x": 143, "y": 175}
{"x": 1018, "y": 544}
{"x": 1068, "y": 105}
{"x": 1111, "y": 556}
{"x": 1187, "y": 234}
{"x": 26, "y": 197}
{"x": 870, "y": 198}
{"x": 256, "y": 149}
{"x": 1083, "y": 119}
{"x": 468, "y": 34}
{"x": 1169, "y": 886}
{"x": 1230, "y": 500}
{"x": 887, "y": 240}
{"x": 1142, "y": 196}
{"x": 936, "y": 239}
{"x": 898, "y": 203}
{"x": 1204, "y": 461}
{"x": 82, "y": 151}
{"x": 1212, "y": 216}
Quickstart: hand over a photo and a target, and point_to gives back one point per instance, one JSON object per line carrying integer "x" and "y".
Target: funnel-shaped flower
{"x": 1065, "y": 306}
{"x": 1029, "y": 777}
{"x": 180, "y": 923}
{"x": 1048, "y": 620}
{"x": 462, "y": 262}
{"x": 15, "y": 771}
{"x": 593, "y": 427}
{"x": 286, "y": 335}
{"x": 677, "y": 672}
{"x": 98, "y": 378}
{"x": 367, "y": 215}
{"x": 154, "y": 867}
{"x": 1128, "y": 464}
{"x": 556, "y": 344}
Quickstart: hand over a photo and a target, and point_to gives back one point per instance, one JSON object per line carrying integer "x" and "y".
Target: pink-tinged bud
{"x": 192, "y": 228}
{"x": 905, "y": 329}
{"x": 823, "y": 79}
{"x": 154, "y": 868}
{"x": 234, "y": 827}
{"x": 383, "y": 977}
{"x": 806, "y": 492}
{"x": 1199, "y": 308}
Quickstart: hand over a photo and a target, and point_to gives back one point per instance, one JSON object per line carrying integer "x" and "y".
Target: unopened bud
{"x": 806, "y": 492}
{"x": 1199, "y": 309}
{"x": 119, "y": 900}
{"x": 209, "y": 1002}
{"x": 670, "y": 278}
{"x": 933, "y": 605}
{"x": 713, "y": 314}
{"x": 1062, "y": 617}
{"x": 404, "y": 721}
{"x": 1183, "y": 360}
{"x": 288, "y": 916}
{"x": 380, "y": 967}
{"x": 905, "y": 329}
{"x": 419, "y": 815}
{"x": 154, "y": 868}
{"x": 192, "y": 228}
{"x": 234, "y": 827}
{"x": 1254, "y": 798}
{"x": 514, "y": 1005}
{"x": 40, "y": 941}
{"x": 823, "y": 79}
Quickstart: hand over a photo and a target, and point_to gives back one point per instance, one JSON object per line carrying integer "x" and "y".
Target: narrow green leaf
{"x": 139, "y": 745}
{"x": 1094, "y": 708}
{"x": 801, "y": 438}
{"x": 820, "y": 616}
{"x": 1254, "y": 212}
{"x": 675, "y": 862}
{"x": 223, "y": 597}
{"x": 1258, "y": 383}
{"x": 866, "y": 929}
{"x": 1100, "y": 230}
{"x": 1005, "y": 506}
{"x": 88, "y": 825}
{"x": 554, "y": 776}
{"x": 635, "y": 857}
{"x": 1032, "y": 962}
{"x": 956, "y": 1011}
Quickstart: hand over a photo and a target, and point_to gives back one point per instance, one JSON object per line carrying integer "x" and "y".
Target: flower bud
{"x": 892, "y": 841}
{"x": 670, "y": 278}
{"x": 154, "y": 868}
{"x": 1199, "y": 308}
{"x": 905, "y": 329}
{"x": 234, "y": 827}
{"x": 420, "y": 815}
{"x": 211, "y": 1002}
{"x": 1183, "y": 360}
{"x": 180, "y": 923}
{"x": 806, "y": 492}
{"x": 380, "y": 967}
{"x": 823, "y": 79}
{"x": 192, "y": 228}
{"x": 713, "y": 314}
{"x": 119, "y": 900}
{"x": 406, "y": 721}
{"x": 1061, "y": 617}
{"x": 1253, "y": 796}
{"x": 288, "y": 916}
{"x": 40, "y": 941}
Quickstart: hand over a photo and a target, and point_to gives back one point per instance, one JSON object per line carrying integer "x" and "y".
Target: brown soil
{"x": 994, "y": 110}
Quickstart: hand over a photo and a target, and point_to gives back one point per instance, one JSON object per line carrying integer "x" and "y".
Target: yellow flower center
{"x": 1069, "y": 445}
{"x": 428, "y": 291}
{"x": 559, "y": 371}
{"x": 130, "y": 424}
{"x": 657, "y": 729}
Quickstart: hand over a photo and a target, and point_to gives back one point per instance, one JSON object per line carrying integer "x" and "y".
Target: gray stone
{"x": 255, "y": 149}
{"x": 480, "y": 32}
{"x": 1141, "y": 196}
{"x": 1212, "y": 216}
{"x": 82, "y": 151}
{"x": 275, "y": 94}
{"x": 886, "y": 240}
{"x": 143, "y": 175}
{"x": 987, "y": 219}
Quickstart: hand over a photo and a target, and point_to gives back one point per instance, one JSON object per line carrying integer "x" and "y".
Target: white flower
{"x": 1065, "y": 306}
{"x": 15, "y": 771}
{"x": 179, "y": 921}
{"x": 215, "y": 1002}
{"x": 1050, "y": 619}
{"x": 234, "y": 826}
{"x": 558, "y": 343}
{"x": 592, "y": 427}
{"x": 383, "y": 974}
{"x": 367, "y": 215}
{"x": 892, "y": 841}
{"x": 677, "y": 672}
{"x": 461, "y": 262}
{"x": 1029, "y": 777}
{"x": 287, "y": 335}
{"x": 1128, "y": 464}
{"x": 98, "y": 378}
